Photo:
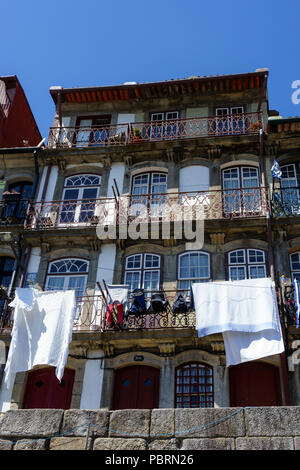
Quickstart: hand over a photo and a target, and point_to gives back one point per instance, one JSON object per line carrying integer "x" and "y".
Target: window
{"x": 143, "y": 271}
{"x": 92, "y": 130}
{"x": 79, "y": 196}
{"x": 165, "y": 125}
{"x": 68, "y": 273}
{"x": 16, "y": 203}
{"x": 289, "y": 186}
{"x": 295, "y": 265}
{"x": 246, "y": 264}
{"x": 193, "y": 267}
{"x": 230, "y": 120}
{"x": 154, "y": 186}
{"x": 236, "y": 197}
{"x": 194, "y": 386}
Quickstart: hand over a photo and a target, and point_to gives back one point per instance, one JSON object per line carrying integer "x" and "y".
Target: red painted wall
{"x": 20, "y": 123}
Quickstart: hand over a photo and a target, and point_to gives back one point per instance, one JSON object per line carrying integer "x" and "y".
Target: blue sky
{"x": 92, "y": 42}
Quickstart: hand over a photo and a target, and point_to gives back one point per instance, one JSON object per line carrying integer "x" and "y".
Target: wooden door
{"x": 136, "y": 387}
{"x": 43, "y": 389}
{"x": 254, "y": 384}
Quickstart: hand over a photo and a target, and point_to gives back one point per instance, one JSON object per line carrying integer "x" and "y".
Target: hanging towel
{"x": 117, "y": 296}
{"x": 42, "y": 330}
{"x": 245, "y": 312}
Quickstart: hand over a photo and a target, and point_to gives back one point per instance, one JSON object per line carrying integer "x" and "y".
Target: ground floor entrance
{"x": 136, "y": 387}
{"x": 254, "y": 384}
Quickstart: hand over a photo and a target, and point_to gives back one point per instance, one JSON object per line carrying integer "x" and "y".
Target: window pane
{"x": 256, "y": 256}
{"x": 256, "y": 272}
{"x": 151, "y": 280}
{"x": 133, "y": 279}
{"x": 151, "y": 261}
{"x": 237, "y": 273}
{"x": 134, "y": 262}
{"x": 295, "y": 261}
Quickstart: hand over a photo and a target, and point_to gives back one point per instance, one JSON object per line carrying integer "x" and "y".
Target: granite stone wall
{"x": 262, "y": 428}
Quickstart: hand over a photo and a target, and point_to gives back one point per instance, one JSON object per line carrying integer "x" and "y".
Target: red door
{"x": 43, "y": 389}
{"x": 254, "y": 384}
{"x": 136, "y": 387}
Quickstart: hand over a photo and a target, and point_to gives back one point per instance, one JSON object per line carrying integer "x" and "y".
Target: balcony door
{"x": 136, "y": 387}
{"x": 164, "y": 125}
{"x": 230, "y": 120}
{"x": 92, "y": 130}
{"x": 68, "y": 274}
{"x": 79, "y": 198}
{"x": 148, "y": 193}
{"x": 289, "y": 189}
{"x": 241, "y": 193}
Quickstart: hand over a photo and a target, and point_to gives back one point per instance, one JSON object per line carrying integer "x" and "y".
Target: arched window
{"x": 193, "y": 266}
{"x": 143, "y": 271}
{"x": 79, "y": 196}
{"x": 295, "y": 265}
{"x": 246, "y": 264}
{"x": 68, "y": 274}
{"x": 194, "y": 386}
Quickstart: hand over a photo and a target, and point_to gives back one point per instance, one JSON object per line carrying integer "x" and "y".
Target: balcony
{"x": 91, "y": 316}
{"x": 206, "y": 205}
{"x": 286, "y": 202}
{"x": 69, "y": 214}
{"x": 158, "y": 131}
{"x": 168, "y": 207}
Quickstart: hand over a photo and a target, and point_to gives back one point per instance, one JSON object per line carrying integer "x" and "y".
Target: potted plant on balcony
{"x": 137, "y": 136}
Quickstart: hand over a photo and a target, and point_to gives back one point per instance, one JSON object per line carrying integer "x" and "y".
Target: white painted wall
{"x": 92, "y": 381}
{"x": 51, "y": 184}
{"x": 106, "y": 264}
{"x": 117, "y": 171}
{"x": 5, "y": 395}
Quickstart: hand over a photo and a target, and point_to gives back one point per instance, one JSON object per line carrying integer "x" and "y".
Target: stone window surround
{"x": 167, "y": 366}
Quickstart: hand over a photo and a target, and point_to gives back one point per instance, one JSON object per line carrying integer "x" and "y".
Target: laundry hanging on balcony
{"x": 245, "y": 312}
{"x": 42, "y": 330}
{"x": 276, "y": 171}
{"x": 117, "y": 303}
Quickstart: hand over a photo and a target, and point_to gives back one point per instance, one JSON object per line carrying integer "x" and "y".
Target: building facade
{"x": 153, "y": 153}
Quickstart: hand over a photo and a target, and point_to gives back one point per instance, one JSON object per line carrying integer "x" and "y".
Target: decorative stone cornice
{"x": 167, "y": 349}
{"x": 217, "y": 238}
{"x": 109, "y": 349}
{"x": 214, "y": 152}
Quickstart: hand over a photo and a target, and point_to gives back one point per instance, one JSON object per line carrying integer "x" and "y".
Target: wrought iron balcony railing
{"x": 209, "y": 205}
{"x": 71, "y": 213}
{"x": 91, "y": 315}
{"x": 167, "y": 207}
{"x": 286, "y": 202}
{"x": 152, "y": 131}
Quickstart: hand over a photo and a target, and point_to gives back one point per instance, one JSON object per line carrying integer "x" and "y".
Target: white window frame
{"x": 66, "y": 275}
{"x": 247, "y": 264}
{"x": 143, "y": 269}
{"x": 194, "y": 279}
{"x": 81, "y": 188}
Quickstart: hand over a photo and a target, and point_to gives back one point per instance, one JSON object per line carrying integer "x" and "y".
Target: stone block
{"x": 218, "y": 443}
{"x": 273, "y": 421}
{"x": 117, "y": 443}
{"x": 69, "y": 443}
{"x": 31, "y": 423}
{"x": 162, "y": 425}
{"x": 264, "y": 443}
{"x": 6, "y": 444}
{"x": 163, "y": 444}
{"x": 297, "y": 443}
{"x": 209, "y": 422}
{"x": 31, "y": 444}
{"x": 75, "y": 422}
{"x": 129, "y": 423}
